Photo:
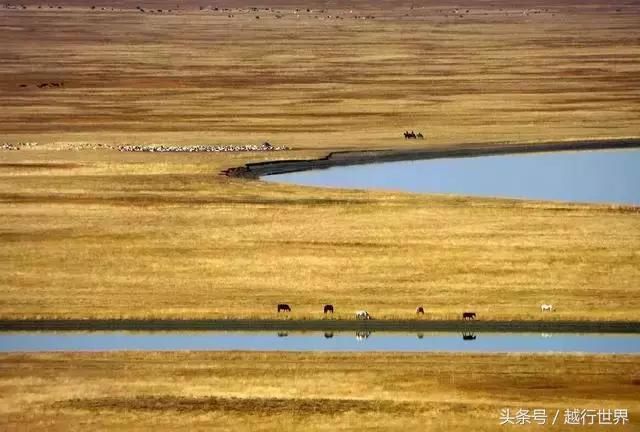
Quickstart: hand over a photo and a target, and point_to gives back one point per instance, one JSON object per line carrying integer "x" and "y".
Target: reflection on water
{"x": 468, "y": 336}
{"x": 362, "y": 335}
{"x": 603, "y": 176}
{"x": 319, "y": 341}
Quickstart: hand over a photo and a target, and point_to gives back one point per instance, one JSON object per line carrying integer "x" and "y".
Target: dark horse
{"x": 420, "y": 310}
{"x": 409, "y": 135}
{"x": 328, "y": 308}
{"x": 283, "y": 307}
{"x": 468, "y": 315}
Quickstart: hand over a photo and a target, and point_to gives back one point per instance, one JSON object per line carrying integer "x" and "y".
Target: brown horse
{"x": 419, "y": 310}
{"x": 468, "y": 315}
{"x": 283, "y": 307}
{"x": 328, "y": 308}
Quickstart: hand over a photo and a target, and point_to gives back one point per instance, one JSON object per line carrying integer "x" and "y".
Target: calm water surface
{"x": 603, "y": 176}
{"x": 318, "y": 341}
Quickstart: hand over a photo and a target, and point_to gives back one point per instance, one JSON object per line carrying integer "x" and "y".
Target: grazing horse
{"x": 419, "y": 136}
{"x": 363, "y": 315}
{"x": 283, "y": 307}
{"x": 328, "y": 308}
{"x": 283, "y": 334}
{"x": 419, "y": 310}
{"x": 328, "y": 335}
{"x": 409, "y": 135}
{"x": 468, "y": 315}
{"x": 546, "y": 308}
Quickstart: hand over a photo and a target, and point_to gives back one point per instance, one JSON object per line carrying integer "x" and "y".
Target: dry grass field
{"x": 98, "y": 233}
{"x": 310, "y": 392}
{"x": 499, "y": 72}
{"x": 89, "y": 232}
{"x": 102, "y": 234}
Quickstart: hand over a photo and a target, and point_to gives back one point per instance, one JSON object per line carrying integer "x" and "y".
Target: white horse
{"x": 362, "y": 314}
{"x": 546, "y": 308}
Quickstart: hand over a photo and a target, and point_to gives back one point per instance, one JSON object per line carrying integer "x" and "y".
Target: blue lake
{"x": 603, "y": 176}
{"x": 318, "y": 341}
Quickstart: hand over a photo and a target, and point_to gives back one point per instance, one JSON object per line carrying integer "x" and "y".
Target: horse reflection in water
{"x": 328, "y": 335}
{"x": 468, "y": 336}
{"x": 362, "y": 335}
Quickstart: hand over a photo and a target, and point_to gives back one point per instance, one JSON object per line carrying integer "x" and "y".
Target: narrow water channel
{"x": 319, "y": 341}
{"x": 602, "y": 176}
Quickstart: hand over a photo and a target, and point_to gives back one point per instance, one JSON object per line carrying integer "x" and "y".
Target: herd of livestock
{"x": 364, "y": 315}
{"x": 17, "y": 146}
{"x": 45, "y": 85}
{"x": 265, "y": 147}
{"x": 203, "y": 148}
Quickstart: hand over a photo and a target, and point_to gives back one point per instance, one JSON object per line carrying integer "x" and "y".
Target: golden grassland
{"x": 108, "y": 234}
{"x": 498, "y": 73}
{"x": 101, "y": 234}
{"x": 305, "y": 391}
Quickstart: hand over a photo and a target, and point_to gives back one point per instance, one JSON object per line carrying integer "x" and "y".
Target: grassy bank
{"x": 328, "y": 324}
{"x": 312, "y": 392}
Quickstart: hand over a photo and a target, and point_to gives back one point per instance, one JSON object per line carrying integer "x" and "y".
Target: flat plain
{"x": 310, "y": 392}
{"x": 90, "y": 232}
{"x": 102, "y": 234}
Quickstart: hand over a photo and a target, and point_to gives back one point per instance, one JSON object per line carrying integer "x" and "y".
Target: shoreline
{"x": 359, "y": 157}
{"x": 317, "y": 325}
